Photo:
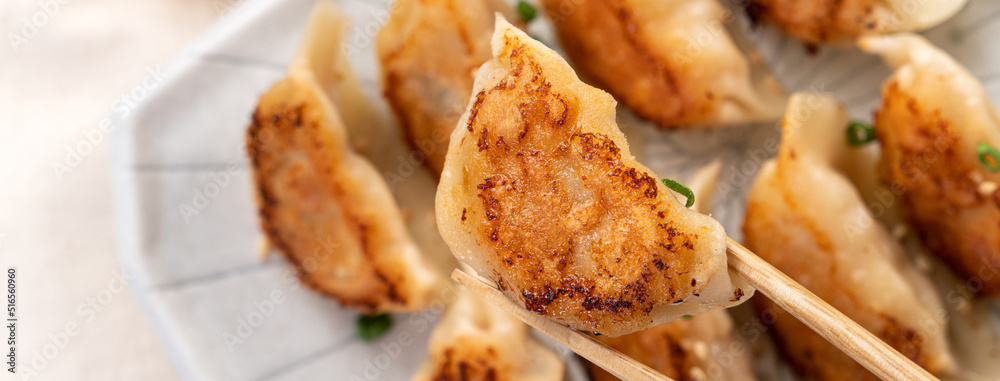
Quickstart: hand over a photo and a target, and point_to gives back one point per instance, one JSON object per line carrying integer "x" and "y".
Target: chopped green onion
{"x": 526, "y": 10}
{"x": 859, "y": 133}
{"x": 687, "y": 317}
{"x": 989, "y": 156}
{"x": 680, "y": 188}
{"x": 372, "y": 327}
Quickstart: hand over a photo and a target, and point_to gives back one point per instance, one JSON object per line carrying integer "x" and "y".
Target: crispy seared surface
{"x": 941, "y": 199}
{"x": 929, "y": 125}
{"x": 807, "y": 219}
{"x": 818, "y": 21}
{"x": 478, "y": 341}
{"x": 699, "y": 348}
{"x": 429, "y": 52}
{"x": 318, "y": 207}
{"x": 541, "y": 195}
{"x": 703, "y": 347}
{"x": 323, "y": 206}
{"x": 671, "y": 61}
{"x": 842, "y": 21}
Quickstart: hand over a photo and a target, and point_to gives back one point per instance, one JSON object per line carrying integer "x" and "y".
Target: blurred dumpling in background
{"x": 703, "y": 347}
{"x": 671, "y": 61}
{"x": 693, "y": 348}
{"x": 429, "y": 52}
{"x": 540, "y": 194}
{"x": 326, "y": 208}
{"x": 841, "y": 22}
{"x": 939, "y": 136}
{"x": 972, "y": 328}
{"x": 807, "y": 219}
{"x": 476, "y": 340}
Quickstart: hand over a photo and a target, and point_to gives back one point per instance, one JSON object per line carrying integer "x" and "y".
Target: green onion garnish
{"x": 526, "y": 10}
{"x": 371, "y": 327}
{"x": 680, "y": 188}
{"x": 687, "y": 317}
{"x": 859, "y": 133}
{"x": 989, "y": 156}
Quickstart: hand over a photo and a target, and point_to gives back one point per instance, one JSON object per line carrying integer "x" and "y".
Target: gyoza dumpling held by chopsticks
{"x": 540, "y": 194}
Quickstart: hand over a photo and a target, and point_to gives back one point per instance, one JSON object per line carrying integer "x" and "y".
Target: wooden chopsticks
{"x": 872, "y": 353}
{"x": 855, "y": 341}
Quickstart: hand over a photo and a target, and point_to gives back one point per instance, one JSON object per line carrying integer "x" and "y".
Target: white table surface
{"x": 59, "y": 232}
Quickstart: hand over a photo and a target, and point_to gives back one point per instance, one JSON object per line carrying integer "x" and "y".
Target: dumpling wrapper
{"x": 476, "y": 340}
{"x": 705, "y": 347}
{"x": 671, "y": 61}
{"x": 806, "y": 218}
{"x": 540, "y": 194}
{"x": 841, "y": 22}
{"x": 933, "y": 116}
{"x": 429, "y": 52}
{"x": 326, "y": 208}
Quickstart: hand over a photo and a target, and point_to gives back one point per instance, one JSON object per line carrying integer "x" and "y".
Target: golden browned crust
{"x": 805, "y": 217}
{"x": 476, "y": 340}
{"x": 814, "y": 267}
{"x": 841, "y": 22}
{"x": 606, "y": 46}
{"x": 537, "y": 140}
{"x": 696, "y": 348}
{"x": 657, "y": 347}
{"x": 939, "y": 180}
{"x": 565, "y": 220}
{"x": 818, "y": 21}
{"x": 469, "y": 365}
{"x": 677, "y": 71}
{"x": 312, "y": 209}
{"x": 810, "y": 354}
{"x": 429, "y": 52}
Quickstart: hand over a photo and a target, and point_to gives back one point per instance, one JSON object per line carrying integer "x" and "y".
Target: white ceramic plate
{"x": 188, "y": 228}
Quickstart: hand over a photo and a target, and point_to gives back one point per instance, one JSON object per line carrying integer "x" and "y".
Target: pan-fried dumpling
{"x": 841, "y": 22}
{"x": 687, "y": 349}
{"x": 703, "y": 347}
{"x": 326, "y": 208}
{"x": 671, "y": 61}
{"x": 934, "y": 116}
{"x": 429, "y": 51}
{"x": 972, "y": 327}
{"x": 806, "y": 218}
{"x": 540, "y": 194}
{"x": 476, "y": 340}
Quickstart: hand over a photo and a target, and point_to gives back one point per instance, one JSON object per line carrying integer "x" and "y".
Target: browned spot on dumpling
{"x": 570, "y": 223}
{"x": 841, "y": 22}
{"x": 924, "y": 159}
{"x": 658, "y": 63}
{"x": 817, "y": 22}
{"x": 686, "y": 350}
{"x": 802, "y": 217}
{"x": 429, "y": 51}
{"x": 642, "y": 80}
{"x": 342, "y": 242}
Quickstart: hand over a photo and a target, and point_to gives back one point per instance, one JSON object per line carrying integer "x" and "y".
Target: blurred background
{"x": 60, "y": 77}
